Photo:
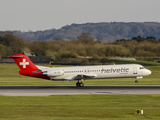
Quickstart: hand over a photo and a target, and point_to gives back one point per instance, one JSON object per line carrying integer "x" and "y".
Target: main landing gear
{"x": 79, "y": 84}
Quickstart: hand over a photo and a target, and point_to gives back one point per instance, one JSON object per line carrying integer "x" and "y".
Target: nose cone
{"x": 148, "y": 72}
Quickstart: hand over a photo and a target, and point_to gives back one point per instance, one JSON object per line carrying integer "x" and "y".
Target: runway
{"x": 73, "y": 90}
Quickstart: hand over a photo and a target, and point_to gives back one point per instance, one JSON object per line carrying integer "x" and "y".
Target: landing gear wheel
{"x": 81, "y": 84}
{"x": 77, "y": 84}
{"x": 136, "y": 81}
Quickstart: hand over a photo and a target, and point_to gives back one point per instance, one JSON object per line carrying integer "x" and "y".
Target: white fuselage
{"x": 28, "y": 68}
{"x": 97, "y": 72}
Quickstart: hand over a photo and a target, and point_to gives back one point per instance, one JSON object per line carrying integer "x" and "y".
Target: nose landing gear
{"x": 136, "y": 81}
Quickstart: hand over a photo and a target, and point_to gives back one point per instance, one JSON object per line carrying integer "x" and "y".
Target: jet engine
{"x": 53, "y": 73}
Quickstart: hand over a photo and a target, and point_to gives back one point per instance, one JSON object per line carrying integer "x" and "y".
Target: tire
{"x": 81, "y": 84}
{"x": 77, "y": 84}
{"x": 136, "y": 81}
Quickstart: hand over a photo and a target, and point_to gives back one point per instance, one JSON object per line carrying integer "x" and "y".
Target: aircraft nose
{"x": 148, "y": 72}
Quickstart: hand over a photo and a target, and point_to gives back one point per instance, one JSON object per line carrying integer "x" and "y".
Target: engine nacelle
{"x": 53, "y": 73}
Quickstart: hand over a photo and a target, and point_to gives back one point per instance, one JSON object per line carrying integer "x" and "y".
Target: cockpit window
{"x": 141, "y": 68}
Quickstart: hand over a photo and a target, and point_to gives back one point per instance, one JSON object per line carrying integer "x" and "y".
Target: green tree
{"x": 85, "y": 38}
{"x": 2, "y": 51}
{"x": 139, "y": 38}
{"x": 156, "y": 49}
{"x": 38, "y": 47}
{"x": 142, "y": 53}
{"x": 13, "y": 44}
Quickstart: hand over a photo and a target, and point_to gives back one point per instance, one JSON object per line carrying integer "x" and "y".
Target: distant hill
{"x": 103, "y": 31}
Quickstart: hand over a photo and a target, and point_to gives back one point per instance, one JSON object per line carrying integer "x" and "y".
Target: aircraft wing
{"x": 80, "y": 77}
{"x": 84, "y": 76}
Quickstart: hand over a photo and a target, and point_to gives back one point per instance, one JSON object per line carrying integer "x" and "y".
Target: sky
{"x": 34, "y": 15}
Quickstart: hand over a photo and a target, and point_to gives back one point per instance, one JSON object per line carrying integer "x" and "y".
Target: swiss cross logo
{"x": 24, "y": 63}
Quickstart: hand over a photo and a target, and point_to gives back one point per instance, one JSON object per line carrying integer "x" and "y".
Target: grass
{"x": 9, "y": 75}
{"x": 144, "y": 63}
{"x": 80, "y": 107}
{"x": 77, "y": 107}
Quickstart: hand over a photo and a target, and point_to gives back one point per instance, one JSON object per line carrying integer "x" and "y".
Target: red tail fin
{"x": 23, "y": 62}
{"x": 27, "y": 67}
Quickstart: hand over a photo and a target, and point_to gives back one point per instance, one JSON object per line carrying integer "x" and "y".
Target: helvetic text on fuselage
{"x": 118, "y": 70}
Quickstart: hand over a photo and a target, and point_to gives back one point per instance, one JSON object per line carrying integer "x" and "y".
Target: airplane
{"x": 80, "y": 73}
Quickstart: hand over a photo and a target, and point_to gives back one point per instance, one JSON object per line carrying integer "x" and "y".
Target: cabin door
{"x": 134, "y": 70}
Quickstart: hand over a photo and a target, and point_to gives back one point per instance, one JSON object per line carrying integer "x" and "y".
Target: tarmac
{"x": 73, "y": 90}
